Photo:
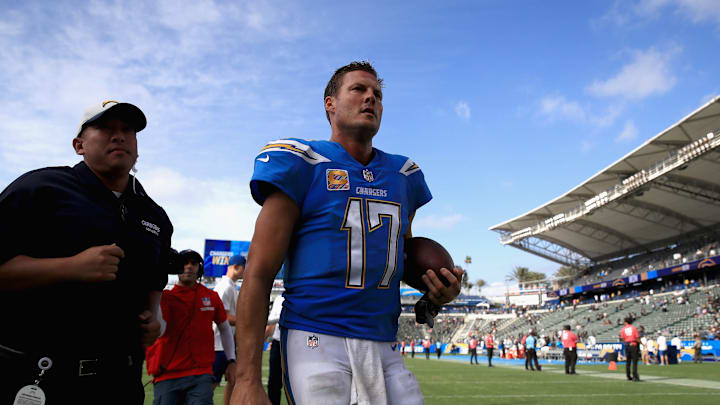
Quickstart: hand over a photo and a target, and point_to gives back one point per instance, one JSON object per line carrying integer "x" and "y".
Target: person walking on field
{"x": 531, "y": 353}
{"x": 569, "y": 342}
{"x": 490, "y": 346}
{"x": 697, "y": 350}
{"x": 472, "y": 348}
{"x": 630, "y": 336}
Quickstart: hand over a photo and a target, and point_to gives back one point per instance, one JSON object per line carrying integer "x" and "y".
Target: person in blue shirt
{"x": 530, "y": 352}
{"x": 336, "y": 213}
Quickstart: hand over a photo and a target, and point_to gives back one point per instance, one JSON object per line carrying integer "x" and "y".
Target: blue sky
{"x": 503, "y": 104}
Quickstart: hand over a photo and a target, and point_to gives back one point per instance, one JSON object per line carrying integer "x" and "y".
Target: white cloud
{"x": 434, "y": 222}
{"x": 608, "y": 117}
{"x": 496, "y": 289}
{"x": 697, "y": 11}
{"x": 201, "y": 208}
{"x": 462, "y": 109}
{"x": 626, "y": 13}
{"x": 168, "y": 57}
{"x": 558, "y": 107}
{"x": 628, "y": 133}
{"x": 649, "y": 73}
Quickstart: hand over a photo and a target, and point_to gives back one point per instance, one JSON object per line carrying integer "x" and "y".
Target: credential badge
{"x": 313, "y": 341}
{"x": 368, "y": 175}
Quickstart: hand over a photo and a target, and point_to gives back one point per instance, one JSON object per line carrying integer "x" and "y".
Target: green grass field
{"x": 448, "y": 382}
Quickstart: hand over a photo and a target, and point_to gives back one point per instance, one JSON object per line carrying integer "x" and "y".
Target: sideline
{"x": 685, "y": 382}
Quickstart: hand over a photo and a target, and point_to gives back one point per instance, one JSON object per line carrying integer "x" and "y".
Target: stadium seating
{"x": 698, "y": 314}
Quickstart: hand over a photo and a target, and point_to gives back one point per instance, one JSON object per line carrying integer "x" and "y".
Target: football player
{"x": 337, "y": 213}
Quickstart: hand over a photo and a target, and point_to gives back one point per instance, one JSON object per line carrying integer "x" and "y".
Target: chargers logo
{"x": 337, "y": 180}
{"x": 706, "y": 263}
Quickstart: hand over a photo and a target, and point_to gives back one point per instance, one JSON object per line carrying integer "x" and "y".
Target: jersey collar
{"x": 90, "y": 179}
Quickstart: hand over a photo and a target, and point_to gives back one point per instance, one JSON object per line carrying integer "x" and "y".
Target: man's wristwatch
{"x": 231, "y": 361}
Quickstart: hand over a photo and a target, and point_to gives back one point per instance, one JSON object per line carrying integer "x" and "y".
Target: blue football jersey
{"x": 345, "y": 260}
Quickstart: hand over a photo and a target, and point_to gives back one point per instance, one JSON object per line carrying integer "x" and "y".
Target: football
{"x": 421, "y": 255}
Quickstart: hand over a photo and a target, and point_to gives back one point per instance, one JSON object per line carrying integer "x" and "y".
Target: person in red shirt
{"x": 426, "y": 347}
{"x": 181, "y": 359}
{"x": 472, "y": 348}
{"x": 489, "y": 345}
{"x": 412, "y": 348}
{"x": 630, "y": 336}
{"x": 569, "y": 341}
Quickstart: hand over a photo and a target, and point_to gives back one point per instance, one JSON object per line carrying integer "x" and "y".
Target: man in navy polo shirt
{"x": 83, "y": 264}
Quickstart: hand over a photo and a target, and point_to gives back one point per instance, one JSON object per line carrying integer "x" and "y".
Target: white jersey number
{"x": 354, "y": 224}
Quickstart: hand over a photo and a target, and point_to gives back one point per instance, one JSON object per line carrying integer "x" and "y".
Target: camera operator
{"x": 81, "y": 270}
{"x": 181, "y": 360}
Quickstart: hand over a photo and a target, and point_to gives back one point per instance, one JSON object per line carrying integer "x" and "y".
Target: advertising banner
{"x": 218, "y": 254}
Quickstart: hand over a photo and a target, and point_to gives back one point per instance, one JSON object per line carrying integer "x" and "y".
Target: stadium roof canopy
{"x": 664, "y": 192}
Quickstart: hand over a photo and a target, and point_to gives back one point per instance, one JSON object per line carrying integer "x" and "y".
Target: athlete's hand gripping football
{"x": 97, "y": 264}
{"x": 439, "y": 293}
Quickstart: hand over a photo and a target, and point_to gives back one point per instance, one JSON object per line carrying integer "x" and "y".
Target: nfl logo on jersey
{"x": 206, "y": 301}
{"x": 368, "y": 175}
{"x": 313, "y": 341}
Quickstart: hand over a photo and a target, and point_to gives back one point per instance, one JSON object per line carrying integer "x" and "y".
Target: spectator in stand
{"x": 629, "y": 335}
{"x": 569, "y": 342}
{"x": 472, "y": 348}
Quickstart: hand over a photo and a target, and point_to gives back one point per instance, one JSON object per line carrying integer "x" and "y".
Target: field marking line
{"x": 685, "y": 382}
{"x": 636, "y": 394}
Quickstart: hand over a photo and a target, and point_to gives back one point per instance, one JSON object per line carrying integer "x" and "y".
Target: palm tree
{"x": 518, "y": 274}
{"x": 522, "y": 274}
{"x": 565, "y": 272}
{"x": 464, "y": 283}
{"x": 480, "y": 283}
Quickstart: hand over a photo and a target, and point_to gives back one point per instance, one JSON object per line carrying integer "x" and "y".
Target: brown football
{"x": 421, "y": 255}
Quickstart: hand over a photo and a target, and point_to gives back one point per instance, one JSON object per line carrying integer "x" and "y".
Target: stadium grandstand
{"x": 643, "y": 238}
{"x": 651, "y": 216}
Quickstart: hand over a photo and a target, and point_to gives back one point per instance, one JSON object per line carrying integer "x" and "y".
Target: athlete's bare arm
{"x": 273, "y": 230}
